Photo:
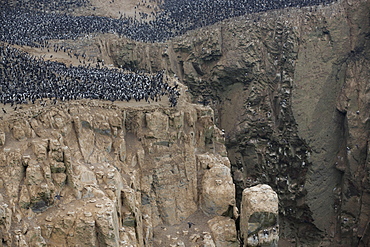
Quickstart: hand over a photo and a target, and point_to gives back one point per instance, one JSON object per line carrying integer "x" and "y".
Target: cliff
{"x": 290, "y": 89}
{"x": 283, "y": 99}
{"x": 92, "y": 173}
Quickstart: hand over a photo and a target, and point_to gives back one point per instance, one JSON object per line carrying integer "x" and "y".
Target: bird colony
{"x": 26, "y": 79}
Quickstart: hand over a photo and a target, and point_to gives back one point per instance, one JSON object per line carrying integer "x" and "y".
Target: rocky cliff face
{"x": 290, "y": 89}
{"x": 89, "y": 173}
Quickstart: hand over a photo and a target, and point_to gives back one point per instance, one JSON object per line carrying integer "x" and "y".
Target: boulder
{"x": 218, "y": 190}
{"x": 223, "y": 231}
{"x": 259, "y": 216}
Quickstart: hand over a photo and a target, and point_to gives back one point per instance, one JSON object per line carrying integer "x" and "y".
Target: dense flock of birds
{"x": 25, "y": 79}
{"x": 22, "y": 24}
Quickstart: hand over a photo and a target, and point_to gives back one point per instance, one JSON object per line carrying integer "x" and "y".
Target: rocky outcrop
{"x": 91, "y": 173}
{"x": 223, "y": 231}
{"x": 259, "y": 220}
{"x": 289, "y": 89}
{"x": 218, "y": 189}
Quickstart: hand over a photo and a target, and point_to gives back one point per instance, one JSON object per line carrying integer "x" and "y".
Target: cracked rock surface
{"x": 290, "y": 89}
{"x": 90, "y": 173}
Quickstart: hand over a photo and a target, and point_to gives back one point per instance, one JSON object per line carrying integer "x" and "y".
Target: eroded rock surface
{"x": 289, "y": 87}
{"x": 223, "y": 230}
{"x": 259, "y": 216}
{"x": 90, "y": 173}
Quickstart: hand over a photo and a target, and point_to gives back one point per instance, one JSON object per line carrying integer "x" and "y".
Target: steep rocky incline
{"x": 90, "y": 173}
{"x": 290, "y": 89}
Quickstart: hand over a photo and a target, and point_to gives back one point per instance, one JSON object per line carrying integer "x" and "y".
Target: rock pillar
{"x": 259, "y": 216}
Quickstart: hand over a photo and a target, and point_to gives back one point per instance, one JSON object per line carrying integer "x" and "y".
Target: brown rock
{"x": 98, "y": 181}
{"x": 223, "y": 231}
{"x": 59, "y": 179}
{"x": 157, "y": 123}
{"x": 34, "y": 174}
{"x": 2, "y": 138}
{"x": 39, "y": 148}
{"x": 218, "y": 190}
{"x": 259, "y": 216}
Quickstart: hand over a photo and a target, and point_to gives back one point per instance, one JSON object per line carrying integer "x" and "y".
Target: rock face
{"x": 218, "y": 189}
{"x": 89, "y": 173}
{"x": 290, "y": 89}
{"x": 259, "y": 216}
{"x": 223, "y": 231}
